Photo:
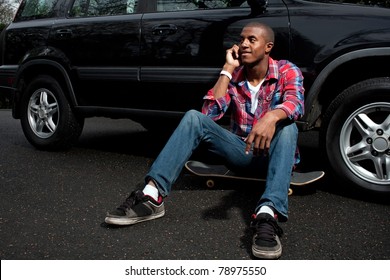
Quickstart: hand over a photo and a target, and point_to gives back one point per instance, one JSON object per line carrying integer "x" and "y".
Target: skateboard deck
{"x": 214, "y": 171}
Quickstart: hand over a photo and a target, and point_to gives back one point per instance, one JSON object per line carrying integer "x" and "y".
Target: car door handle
{"x": 64, "y": 33}
{"x": 164, "y": 29}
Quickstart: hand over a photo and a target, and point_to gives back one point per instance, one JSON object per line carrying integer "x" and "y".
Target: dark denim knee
{"x": 288, "y": 134}
{"x": 192, "y": 117}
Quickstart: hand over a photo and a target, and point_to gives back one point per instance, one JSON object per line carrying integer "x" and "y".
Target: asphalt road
{"x": 53, "y": 204}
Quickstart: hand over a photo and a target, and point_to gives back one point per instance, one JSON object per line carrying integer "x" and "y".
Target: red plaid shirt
{"x": 282, "y": 89}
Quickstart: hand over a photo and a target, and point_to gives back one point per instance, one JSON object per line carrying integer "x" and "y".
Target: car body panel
{"x": 130, "y": 62}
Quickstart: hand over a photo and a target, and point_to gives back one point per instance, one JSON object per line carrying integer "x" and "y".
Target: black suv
{"x": 152, "y": 60}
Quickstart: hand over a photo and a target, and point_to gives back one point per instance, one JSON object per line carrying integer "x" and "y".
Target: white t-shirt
{"x": 254, "y": 90}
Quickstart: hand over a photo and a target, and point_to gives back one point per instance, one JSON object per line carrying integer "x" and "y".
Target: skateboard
{"x": 221, "y": 171}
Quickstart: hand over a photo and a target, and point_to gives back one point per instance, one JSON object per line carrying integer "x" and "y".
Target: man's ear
{"x": 269, "y": 47}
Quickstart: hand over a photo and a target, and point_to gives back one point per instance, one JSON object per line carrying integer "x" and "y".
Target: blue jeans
{"x": 196, "y": 128}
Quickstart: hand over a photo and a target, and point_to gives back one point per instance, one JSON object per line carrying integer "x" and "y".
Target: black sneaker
{"x": 137, "y": 208}
{"x": 266, "y": 242}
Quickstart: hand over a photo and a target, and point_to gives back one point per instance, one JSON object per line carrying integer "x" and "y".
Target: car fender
{"x": 50, "y": 64}
{"x": 313, "y": 108}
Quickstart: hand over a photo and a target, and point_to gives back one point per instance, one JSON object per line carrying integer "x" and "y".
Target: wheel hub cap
{"x": 42, "y": 113}
{"x": 380, "y": 144}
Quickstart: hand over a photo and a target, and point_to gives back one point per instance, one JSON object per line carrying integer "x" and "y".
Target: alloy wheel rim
{"x": 43, "y": 113}
{"x": 365, "y": 143}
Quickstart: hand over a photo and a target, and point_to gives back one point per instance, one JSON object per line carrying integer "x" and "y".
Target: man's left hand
{"x": 262, "y": 133}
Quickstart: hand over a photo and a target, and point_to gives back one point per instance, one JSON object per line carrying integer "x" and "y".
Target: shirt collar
{"x": 272, "y": 73}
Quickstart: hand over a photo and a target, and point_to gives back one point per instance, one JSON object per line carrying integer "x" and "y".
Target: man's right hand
{"x": 231, "y": 63}
{"x": 232, "y": 59}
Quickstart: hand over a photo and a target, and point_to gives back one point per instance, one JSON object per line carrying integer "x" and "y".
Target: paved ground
{"x": 53, "y": 205}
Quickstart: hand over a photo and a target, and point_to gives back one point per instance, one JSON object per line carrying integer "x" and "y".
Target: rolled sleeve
{"x": 293, "y": 96}
{"x": 215, "y": 108}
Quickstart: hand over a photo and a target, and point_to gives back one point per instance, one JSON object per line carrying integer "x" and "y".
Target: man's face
{"x": 253, "y": 45}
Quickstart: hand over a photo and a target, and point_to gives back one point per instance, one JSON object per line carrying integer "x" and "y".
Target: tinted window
{"x": 35, "y": 9}
{"x": 90, "y": 8}
{"x": 180, "y": 5}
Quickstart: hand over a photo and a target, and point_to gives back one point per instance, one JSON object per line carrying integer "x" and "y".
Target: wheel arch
{"x": 338, "y": 75}
{"x": 34, "y": 68}
{"x": 337, "y": 134}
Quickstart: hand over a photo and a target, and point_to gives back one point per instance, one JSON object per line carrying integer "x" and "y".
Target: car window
{"x": 183, "y": 5}
{"x": 91, "y": 8}
{"x": 35, "y": 9}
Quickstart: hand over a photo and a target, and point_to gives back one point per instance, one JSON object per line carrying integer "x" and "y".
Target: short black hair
{"x": 268, "y": 32}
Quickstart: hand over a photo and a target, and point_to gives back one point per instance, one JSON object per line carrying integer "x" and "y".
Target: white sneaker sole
{"x": 267, "y": 255}
{"x": 125, "y": 221}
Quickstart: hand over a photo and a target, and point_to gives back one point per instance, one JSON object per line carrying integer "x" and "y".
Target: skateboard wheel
{"x": 210, "y": 183}
{"x": 290, "y": 191}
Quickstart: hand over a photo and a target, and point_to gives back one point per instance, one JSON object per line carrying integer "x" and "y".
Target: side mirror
{"x": 258, "y": 7}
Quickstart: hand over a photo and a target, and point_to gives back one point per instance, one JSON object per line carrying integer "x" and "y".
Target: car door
{"x": 100, "y": 39}
{"x": 183, "y": 46}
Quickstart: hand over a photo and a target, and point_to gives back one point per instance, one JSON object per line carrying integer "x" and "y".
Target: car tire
{"x": 356, "y": 135}
{"x": 47, "y": 119}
